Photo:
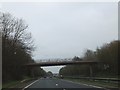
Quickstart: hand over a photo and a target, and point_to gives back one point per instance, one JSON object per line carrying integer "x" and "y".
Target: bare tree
{"x": 16, "y": 30}
{"x": 17, "y": 45}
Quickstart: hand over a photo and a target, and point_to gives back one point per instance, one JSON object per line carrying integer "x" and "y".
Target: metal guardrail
{"x": 96, "y": 78}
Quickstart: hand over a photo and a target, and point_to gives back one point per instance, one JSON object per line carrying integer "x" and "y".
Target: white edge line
{"x": 29, "y": 85}
{"x": 84, "y": 84}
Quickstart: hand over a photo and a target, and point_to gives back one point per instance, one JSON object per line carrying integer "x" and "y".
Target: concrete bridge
{"x": 58, "y": 63}
{"x": 53, "y": 63}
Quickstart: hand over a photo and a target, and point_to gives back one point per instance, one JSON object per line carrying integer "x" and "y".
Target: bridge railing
{"x": 53, "y": 60}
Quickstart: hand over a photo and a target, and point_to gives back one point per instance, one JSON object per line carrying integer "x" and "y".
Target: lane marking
{"x": 92, "y": 85}
{"x": 29, "y": 85}
{"x": 85, "y": 84}
{"x": 56, "y": 84}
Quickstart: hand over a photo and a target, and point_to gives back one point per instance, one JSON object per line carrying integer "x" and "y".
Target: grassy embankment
{"x": 19, "y": 83}
{"x": 100, "y": 83}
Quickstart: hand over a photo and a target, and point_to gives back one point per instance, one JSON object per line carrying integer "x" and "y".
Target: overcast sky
{"x": 65, "y": 30}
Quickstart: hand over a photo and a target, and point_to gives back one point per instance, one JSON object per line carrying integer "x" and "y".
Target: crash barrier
{"x": 113, "y": 80}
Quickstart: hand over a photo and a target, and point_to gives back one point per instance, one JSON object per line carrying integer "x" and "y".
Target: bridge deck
{"x": 61, "y": 63}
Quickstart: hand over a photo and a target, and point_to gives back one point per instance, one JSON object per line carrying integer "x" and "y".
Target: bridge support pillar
{"x": 91, "y": 70}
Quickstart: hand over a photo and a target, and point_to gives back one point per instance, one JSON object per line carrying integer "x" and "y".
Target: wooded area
{"x": 17, "y": 47}
{"x": 107, "y": 54}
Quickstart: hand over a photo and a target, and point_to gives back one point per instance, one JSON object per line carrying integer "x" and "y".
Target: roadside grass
{"x": 9, "y": 84}
{"x": 12, "y": 84}
{"x": 107, "y": 76}
{"x": 95, "y": 83}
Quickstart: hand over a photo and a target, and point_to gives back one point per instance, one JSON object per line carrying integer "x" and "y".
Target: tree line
{"x": 17, "y": 48}
{"x": 107, "y": 54}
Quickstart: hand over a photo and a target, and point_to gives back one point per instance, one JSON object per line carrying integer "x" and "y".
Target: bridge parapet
{"x": 54, "y": 60}
{"x": 60, "y": 63}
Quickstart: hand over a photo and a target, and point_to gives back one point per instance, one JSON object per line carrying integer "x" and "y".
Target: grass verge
{"x": 9, "y": 84}
{"x": 95, "y": 83}
{"x": 18, "y": 84}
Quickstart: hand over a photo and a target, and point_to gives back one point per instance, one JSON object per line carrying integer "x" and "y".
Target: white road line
{"x": 56, "y": 84}
{"x": 29, "y": 85}
{"x": 84, "y": 84}
{"x": 93, "y": 86}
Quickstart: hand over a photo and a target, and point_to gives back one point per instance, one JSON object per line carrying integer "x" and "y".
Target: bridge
{"x": 58, "y": 63}
{"x": 53, "y": 63}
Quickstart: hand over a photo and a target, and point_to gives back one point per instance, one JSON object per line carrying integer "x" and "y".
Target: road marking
{"x": 85, "y": 84}
{"x": 23, "y": 80}
{"x": 56, "y": 84}
{"x": 29, "y": 85}
{"x": 92, "y": 86}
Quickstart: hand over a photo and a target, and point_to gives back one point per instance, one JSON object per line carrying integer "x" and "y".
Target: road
{"x": 59, "y": 84}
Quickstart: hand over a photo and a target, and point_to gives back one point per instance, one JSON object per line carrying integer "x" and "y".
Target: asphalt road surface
{"x": 48, "y": 83}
